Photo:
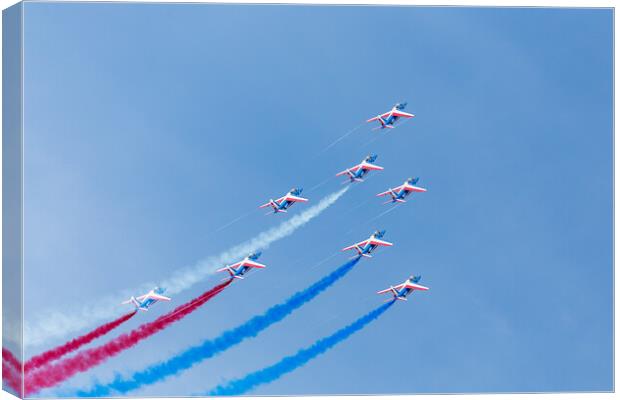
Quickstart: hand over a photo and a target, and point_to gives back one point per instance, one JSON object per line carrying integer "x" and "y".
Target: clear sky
{"x": 149, "y": 126}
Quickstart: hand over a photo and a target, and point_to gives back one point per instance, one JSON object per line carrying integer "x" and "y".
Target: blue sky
{"x": 149, "y": 126}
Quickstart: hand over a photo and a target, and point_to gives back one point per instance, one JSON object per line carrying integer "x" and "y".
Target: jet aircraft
{"x": 282, "y": 204}
{"x": 239, "y": 269}
{"x": 399, "y": 193}
{"x": 388, "y": 119}
{"x": 400, "y": 292}
{"x": 365, "y": 247}
{"x": 357, "y": 172}
{"x": 145, "y": 301}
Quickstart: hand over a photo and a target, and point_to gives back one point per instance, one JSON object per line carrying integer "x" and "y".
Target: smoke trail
{"x": 55, "y": 324}
{"x": 11, "y": 360}
{"x": 189, "y": 277}
{"x": 11, "y": 377}
{"x": 11, "y": 371}
{"x": 86, "y": 359}
{"x": 226, "y": 340}
{"x": 58, "y": 352}
{"x": 291, "y": 363}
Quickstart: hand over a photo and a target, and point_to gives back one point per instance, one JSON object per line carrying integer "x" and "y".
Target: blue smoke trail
{"x": 226, "y": 340}
{"x": 291, "y": 363}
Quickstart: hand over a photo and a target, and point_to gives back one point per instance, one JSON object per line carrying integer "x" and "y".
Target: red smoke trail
{"x": 58, "y": 352}
{"x": 11, "y": 377}
{"x": 11, "y": 371}
{"x": 11, "y": 360}
{"x": 87, "y": 359}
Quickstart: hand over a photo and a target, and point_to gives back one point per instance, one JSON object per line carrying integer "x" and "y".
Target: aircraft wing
{"x": 378, "y": 242}
{"x": 411, "y": 188}
{"x": 270, "y": 204}
{"x": 402, "y": 114}
{"x": 156, "y": 296}
{"x": 252, "y": 264}
{"x": 249, "y": 263}
{"x": 294, "y": 199}
{"x": 397, "y": 288}
{"x": 278, "y": 201}
{"x": 360, "y": 244}
{"x": 414, "y": 286}
{"x": 352, "y": 169}
{"x": 369, "y": 166}
{"x": 142, "y": 298}
{"x": 346, "y": 171}
{"x": 395, "y": 190}
{"x": 235, "y": 265}
{"x": 384, "y": 115}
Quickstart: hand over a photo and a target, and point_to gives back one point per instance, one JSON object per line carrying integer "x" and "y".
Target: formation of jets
{"x": 364, "y": 248}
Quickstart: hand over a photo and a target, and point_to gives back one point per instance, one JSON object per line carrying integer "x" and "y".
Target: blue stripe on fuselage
{"x": 402, "y": 194}
{"x": 147, "y": 303}
{"x": 284, "y": 205}
{"x": 368, "y": 248}
{"x": 360, "y": 173}
{"x": 391, "y": 119}
{"x": 241, "y": 270}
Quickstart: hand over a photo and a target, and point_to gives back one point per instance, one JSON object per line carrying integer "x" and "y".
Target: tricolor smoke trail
{"x": 226, "y": 340}
{"x": 55, "y": 324}
{"x": 72, "y": 345}
{"x": 291, "y": 363}
{"x": 64, "y": 369}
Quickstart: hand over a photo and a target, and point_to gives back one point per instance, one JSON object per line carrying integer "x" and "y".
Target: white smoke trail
{"x": 56, "y": 324}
